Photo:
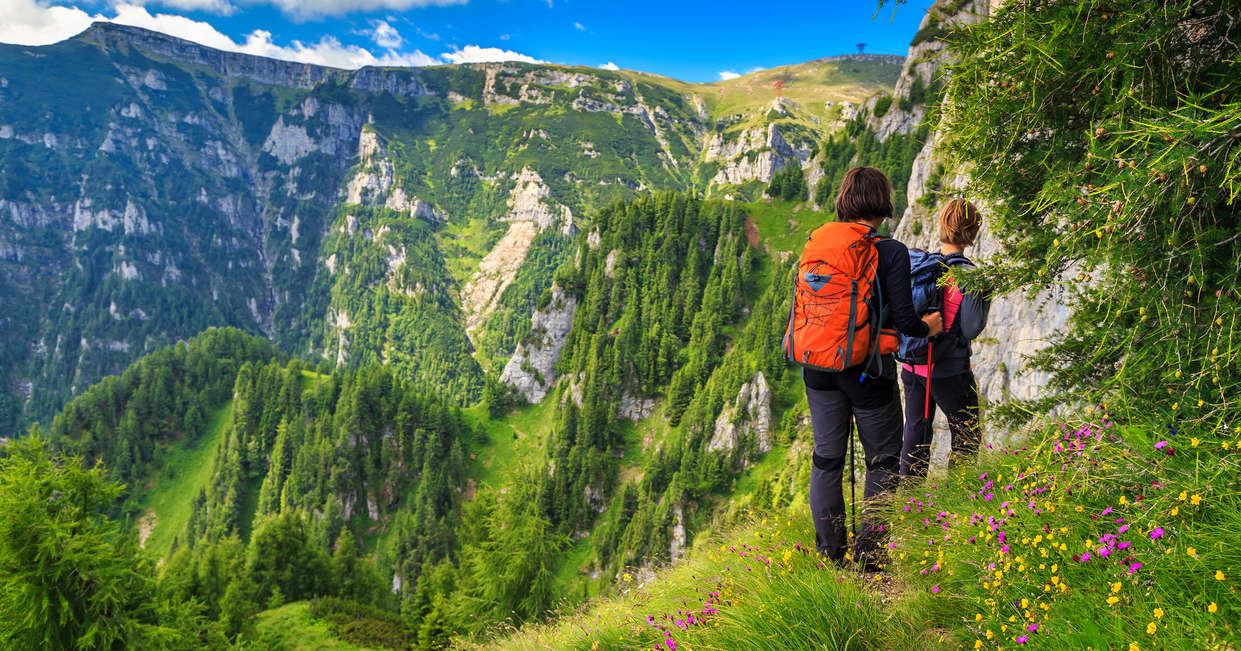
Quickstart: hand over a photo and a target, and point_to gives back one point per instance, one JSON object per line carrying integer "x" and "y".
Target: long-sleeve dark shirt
{"x": 898, "y": 313}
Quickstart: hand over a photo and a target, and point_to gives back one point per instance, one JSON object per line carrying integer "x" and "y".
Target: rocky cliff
{"x": 1018, "y": 325}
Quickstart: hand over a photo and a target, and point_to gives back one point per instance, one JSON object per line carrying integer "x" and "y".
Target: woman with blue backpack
{"x": 936, "y": 372}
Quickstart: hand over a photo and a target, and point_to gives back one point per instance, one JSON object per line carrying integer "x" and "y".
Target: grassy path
{"x": 186, "y": 470}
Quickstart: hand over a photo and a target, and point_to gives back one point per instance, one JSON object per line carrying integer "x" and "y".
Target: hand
{"x": 935, "y": 322}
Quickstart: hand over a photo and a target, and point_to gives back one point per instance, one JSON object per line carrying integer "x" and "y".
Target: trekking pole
{"x": 852, "y": 479}
{"x": 930, "y": 363}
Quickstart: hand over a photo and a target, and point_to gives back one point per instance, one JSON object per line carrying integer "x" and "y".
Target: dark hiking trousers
{"x": 957, "y": 395}
{"x": 879, "y": 428}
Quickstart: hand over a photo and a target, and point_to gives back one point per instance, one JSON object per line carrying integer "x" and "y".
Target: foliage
{"x": 69, "y": 578}
{"x": 361, "y": 624}
{"x": 882, "y": 105}
{"x": 1106, "y": 136}
{"x": 789, "y": 184}
{"x": 895, "y": 156}
{"x": 1097, "y": 534}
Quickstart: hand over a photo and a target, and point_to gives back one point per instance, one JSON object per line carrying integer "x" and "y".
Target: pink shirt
{"x": 952, "y": 303}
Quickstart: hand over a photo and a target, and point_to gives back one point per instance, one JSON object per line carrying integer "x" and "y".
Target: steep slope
{"x": 151, "y": 187}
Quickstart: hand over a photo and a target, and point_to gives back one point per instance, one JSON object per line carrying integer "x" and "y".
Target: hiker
{"x": 943, "y": 362}
{"x": 848, "y": 273}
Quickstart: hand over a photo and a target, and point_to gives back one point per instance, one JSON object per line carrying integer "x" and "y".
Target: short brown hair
{"x": 864, "y": 194}
{"x": 959, "y": 222}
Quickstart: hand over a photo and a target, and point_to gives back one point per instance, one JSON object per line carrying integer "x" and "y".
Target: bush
{"x": 1114, "y": 169}
{"x": 882, "y": 105}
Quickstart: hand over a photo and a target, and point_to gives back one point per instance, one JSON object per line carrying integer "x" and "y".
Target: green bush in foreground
{"x": 1106, "y": 138}
{"x": 69, "y": 578}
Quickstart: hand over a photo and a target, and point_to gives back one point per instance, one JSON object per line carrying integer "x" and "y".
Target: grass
{"x": 291, "y": 628}
{"x": 518, "y": 436}
{"x": 465, "y": 244}
{"x": 780, "y": 227}
{"x": 1090, "y": 536}
{"x": 186, "y": 470}
{"x": 810, "y": 84}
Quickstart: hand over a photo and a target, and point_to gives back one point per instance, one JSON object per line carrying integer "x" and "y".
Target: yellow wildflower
{"x": 1111, "y": 601}
{"x": 1193, "y": 442}
{"x": 1116, "y": 587}
{"x": 1159, "y": 613}
{"x": 977, "y": 644}
{"x": 1195, "y": 500}
{"x": 1175, "y": 510}
{"x": 1182, "y": 496}
{"x": 1133, "y": 646}
{"x": 1150, "y": 628}
{"x": 1219, "y": 575}
{"x": 1212, "y": 608}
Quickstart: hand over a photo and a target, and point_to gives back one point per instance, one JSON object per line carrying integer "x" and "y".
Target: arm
{"x": 897, "y": 295}
{"x": 973, "y": 314}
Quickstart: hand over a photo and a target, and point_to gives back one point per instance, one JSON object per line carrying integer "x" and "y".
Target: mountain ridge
{"x": 105, "y": 33}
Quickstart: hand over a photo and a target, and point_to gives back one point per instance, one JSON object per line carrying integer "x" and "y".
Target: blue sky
{"x": 694, "y": 41}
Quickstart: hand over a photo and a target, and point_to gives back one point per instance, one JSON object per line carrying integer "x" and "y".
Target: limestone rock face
{"x": 922, "y": 62}
{"x": 1017, "y": 326}
{"x": 531, "y": 369}
{"x": 531, "y": 211}
{"x": 635, "y": 408}
{"x": 757, "y": 154}
{"x": 749, "y": 413}
{"x": 374, "y": 184}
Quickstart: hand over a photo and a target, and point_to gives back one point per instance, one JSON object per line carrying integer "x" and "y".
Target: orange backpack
{"x": 834, "y": 323}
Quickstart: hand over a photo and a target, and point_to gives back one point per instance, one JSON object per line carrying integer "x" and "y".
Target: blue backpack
{"x": 925, "y": 269}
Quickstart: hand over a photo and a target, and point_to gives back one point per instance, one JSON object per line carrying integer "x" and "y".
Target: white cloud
{"x": 27, "y": 22}
{"x": 505, "y": 37}
{"x": 385, "y": 35}
{"x": 725, "y": 75}
{"x": 303, "y": 9}
{"x": 579, "y": 27}
{"x": 609, "y": 66}
{"x": 477, "y": 54}
{"x": 221, "y": 7}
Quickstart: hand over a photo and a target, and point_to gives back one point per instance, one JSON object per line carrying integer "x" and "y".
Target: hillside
{"x": 403, "y": 243}
{"x": 507, "y": 370}
{"x": 379, "y": 215}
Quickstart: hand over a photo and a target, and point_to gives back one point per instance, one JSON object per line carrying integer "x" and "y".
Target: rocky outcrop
{"x": 633, "y": 407}
{"x": 531, "y": 369}
{"x": 922, "y": 65}
{"x": 374, "y": 184}
{"x": 755, "y": 155}
{"x": 750, "y": 413}
{"x": 531, "y": 211}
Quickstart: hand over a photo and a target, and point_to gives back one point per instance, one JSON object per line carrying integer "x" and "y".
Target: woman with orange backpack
{"x": 852, "y": 287}
{"x": 936, "y": 373}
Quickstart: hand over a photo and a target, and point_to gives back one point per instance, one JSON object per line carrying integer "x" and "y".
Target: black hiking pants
{"x": 958, "y": 397}
{"x": 874, "y": 405}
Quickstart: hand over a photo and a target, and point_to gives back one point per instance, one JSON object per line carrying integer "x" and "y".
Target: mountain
{"x": 151, "y": 187}
{"x": 590, "y": 252}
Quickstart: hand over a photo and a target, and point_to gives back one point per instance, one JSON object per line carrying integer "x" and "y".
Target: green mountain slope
{"x": 151, "y": 187}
